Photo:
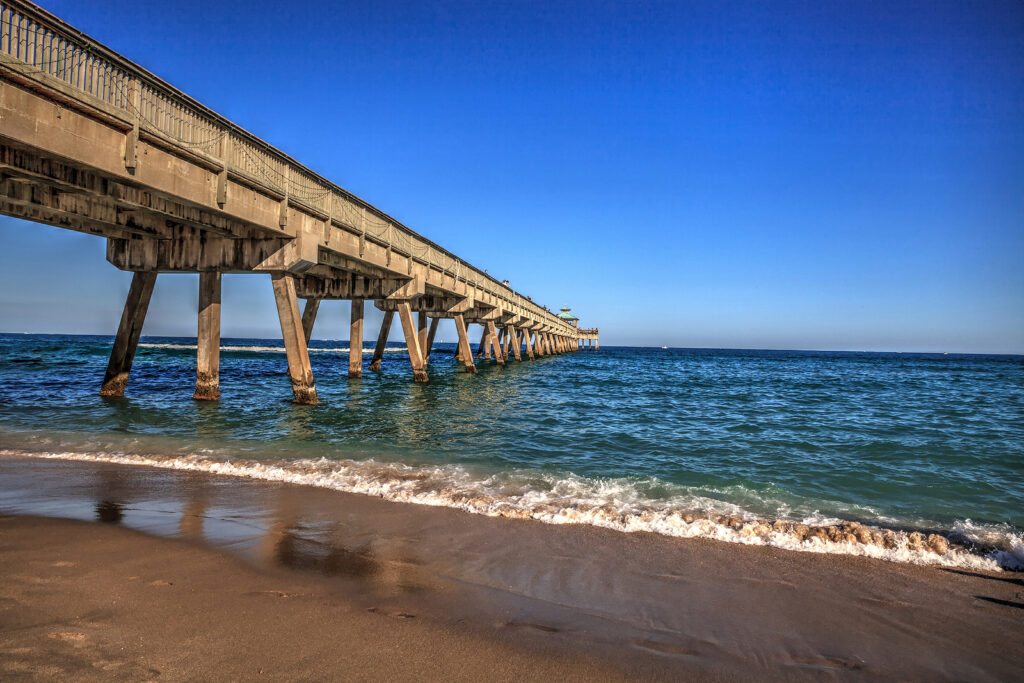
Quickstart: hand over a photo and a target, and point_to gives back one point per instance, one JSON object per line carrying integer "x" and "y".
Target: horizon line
{"x": 625, "y": 346}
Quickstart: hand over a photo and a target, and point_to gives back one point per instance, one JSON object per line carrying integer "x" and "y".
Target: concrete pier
{"x": 382, "y": 340}
{"x": 92, "y": 142}
{"x": 295, "y": 349}
{"x": 355, "y": 340}
{"x": 127, "y": 338}
{"x": 208, "y": 339}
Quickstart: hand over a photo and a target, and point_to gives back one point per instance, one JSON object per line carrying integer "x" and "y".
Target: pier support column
{"x": 132, "y": 318}
{"x": 412, "y": 342}
{"x": 355, "y": 341}
{"x": 208, "y": 339}
{"x": 492, "y": 334}
{"x": 483, "y": 344}
{"x": 421, "y": 332}
{"x": 294, "y": 339}
{"x": 503, "y": 336}
{"x": 514, "y": 342}
{"x": 382, "y": 340}
{"x": 431, "y": 332}
{"x": 465, "y": 352}
{"x": 309, "y": 317}
{"x": 526, "y": 339}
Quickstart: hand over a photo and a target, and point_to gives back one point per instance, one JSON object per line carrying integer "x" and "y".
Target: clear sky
{"x": 811, "y": 175}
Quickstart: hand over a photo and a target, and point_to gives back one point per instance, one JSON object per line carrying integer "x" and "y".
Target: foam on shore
{"x": 610, "y": 503}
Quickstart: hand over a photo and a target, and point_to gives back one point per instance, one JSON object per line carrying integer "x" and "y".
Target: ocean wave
{"x": 613, "y": 503}
{"x": 263, "y": 349}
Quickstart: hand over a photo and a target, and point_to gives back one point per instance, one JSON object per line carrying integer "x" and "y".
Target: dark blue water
{"x": 637, "y": 435}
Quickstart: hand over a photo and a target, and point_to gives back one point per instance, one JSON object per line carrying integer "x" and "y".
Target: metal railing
{"x": 45, "y": 46}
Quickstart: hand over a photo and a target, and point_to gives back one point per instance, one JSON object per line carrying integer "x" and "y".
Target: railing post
{"x": 282, "y": 217}
{"x": 131, "y": 143}
{"x": 222, "y": 177}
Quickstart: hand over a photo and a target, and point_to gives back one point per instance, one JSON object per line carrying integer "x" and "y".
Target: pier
{"x": 92, "y": 142}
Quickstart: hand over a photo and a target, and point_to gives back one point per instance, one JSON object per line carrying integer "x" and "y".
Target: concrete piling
{"x": 355, "y": 341}
{"x": 127, "y": 339}
{"x": 431, "y": 332}
{"x": 382, "y": 340}
{"x": 412, "y": 341}
{"x": 465, "y": 354}
{"x": 309, "y": 311}
{"x": 295, "y": 348}
{"x": 208, "y": 338}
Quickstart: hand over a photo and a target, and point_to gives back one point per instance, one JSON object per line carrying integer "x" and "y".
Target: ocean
{"x": 904, "y": 457}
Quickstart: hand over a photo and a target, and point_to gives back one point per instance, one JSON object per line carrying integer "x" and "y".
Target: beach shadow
{"x": 1004, "y": 603}
{"x": 1014, "y": 581}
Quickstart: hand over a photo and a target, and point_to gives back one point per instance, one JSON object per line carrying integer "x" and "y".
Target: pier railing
{"x": 43, "y": 47}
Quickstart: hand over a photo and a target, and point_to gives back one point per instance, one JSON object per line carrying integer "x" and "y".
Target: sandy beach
{"x": 166, "y": 575}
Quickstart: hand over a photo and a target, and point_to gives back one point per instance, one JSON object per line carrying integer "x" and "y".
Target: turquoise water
{"x": 629, "y": 437}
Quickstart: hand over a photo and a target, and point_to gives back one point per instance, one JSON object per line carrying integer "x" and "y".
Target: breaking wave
{"x": 613, "y": 503}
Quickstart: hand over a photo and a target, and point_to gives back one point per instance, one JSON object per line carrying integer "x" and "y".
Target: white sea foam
{"x": 609, "y": 503}
{"x": 262, "y": 349}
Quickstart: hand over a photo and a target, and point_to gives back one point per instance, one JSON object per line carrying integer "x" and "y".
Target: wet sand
{"x": 230, "y": 578}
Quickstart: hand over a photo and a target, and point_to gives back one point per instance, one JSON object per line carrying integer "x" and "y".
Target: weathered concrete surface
{"x": 127, "y": 338}
{"x": 208, "y": 339}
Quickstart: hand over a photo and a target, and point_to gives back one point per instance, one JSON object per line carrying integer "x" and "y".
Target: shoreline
{"x": 637, "y": 605}
{"x": 433, "y": 486}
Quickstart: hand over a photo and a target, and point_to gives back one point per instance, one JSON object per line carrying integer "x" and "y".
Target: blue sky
{"x": 725, "y": 174}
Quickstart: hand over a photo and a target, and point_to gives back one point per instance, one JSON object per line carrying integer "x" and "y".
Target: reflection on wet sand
{"x": 109, "y": 512}
{"x": 194, "y": 513}
{"x": 327, "y": 547}
{"x": 294, "y": 550}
